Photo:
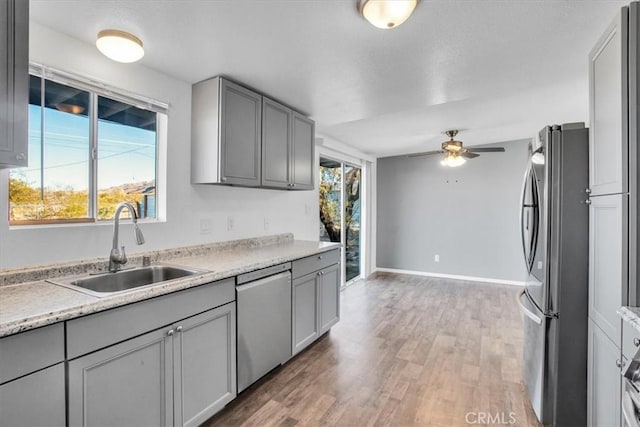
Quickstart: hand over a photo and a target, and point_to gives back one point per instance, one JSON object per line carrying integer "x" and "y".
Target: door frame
{"x": 364, "y": 167}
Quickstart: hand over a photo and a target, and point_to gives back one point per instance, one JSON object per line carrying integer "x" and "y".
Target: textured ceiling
{"x": 500, "y": 70}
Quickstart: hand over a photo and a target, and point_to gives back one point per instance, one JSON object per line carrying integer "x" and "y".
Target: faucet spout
{"x": 116, "y": 257}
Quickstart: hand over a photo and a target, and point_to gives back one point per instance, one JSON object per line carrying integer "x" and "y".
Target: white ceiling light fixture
{"x": 120, "y": 46}
{"x": 386, "y": 14}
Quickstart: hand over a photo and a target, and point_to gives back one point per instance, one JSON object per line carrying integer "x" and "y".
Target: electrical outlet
{"x": 266, "y": 223}
{"x": 205, "y": 226}
{"x": 436, "y": 258}
{"x": 230, "y": 223}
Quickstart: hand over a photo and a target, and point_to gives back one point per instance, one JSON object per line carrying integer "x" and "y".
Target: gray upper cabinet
{"x": 608, "y": 86}
{"x": 226, "y": 134}
{"x": 240, "y": 137}
{"x": 302, "y": 152}
{"x": 14, "y": 82}
{"x": 276, "y": 144}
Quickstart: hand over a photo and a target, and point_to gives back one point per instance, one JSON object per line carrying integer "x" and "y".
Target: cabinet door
{"x": 305, "y": 328}
{"x": 329, "y": 297}
{"x": 240, "y": 135}
{"x": 608, "y": 261}
{"x": 603, "y": 380}
{"x": 276, "y": 144}
{"x": 302, "y": 152}
{"x": 608, "y": 85}
{"x": 128, "y": 384}
{"x": 14, "y": 81}
{"x": 35, "y": 400}
{"x": 204, "y": 365}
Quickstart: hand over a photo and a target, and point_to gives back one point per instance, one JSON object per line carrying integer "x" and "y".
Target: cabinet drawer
{"x": 313, "y": 263}
{"x": 30, "y": 351}
{"x": 90, "y": 333}
{"x": 630, "y": 340}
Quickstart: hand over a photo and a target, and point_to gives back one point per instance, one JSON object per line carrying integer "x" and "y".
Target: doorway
{"x": 340, "y": 192}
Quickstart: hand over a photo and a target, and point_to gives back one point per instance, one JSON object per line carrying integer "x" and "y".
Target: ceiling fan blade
{"x": 469, "y": 155}
{"x": 426, "y": 153}
{"x": 487, "y": 150}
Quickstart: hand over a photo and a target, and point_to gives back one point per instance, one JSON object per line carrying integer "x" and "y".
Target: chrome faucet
{"x": 117, "y": 258}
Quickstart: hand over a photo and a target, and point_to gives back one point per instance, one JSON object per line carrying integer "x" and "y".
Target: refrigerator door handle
{"x": 530, "y": 314}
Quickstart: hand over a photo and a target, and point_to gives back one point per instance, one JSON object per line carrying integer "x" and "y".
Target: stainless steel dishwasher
{"x": 264, "y": 322}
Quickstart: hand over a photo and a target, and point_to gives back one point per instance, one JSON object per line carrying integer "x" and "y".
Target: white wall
{"x": 469, "y": 215}
{"x": 187, "y": 204}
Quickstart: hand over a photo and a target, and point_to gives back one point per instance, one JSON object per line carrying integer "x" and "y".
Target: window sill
{"x": 79, "y": 223}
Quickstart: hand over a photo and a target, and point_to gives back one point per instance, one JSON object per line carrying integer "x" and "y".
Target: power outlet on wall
{"x": 436, "y": 258}
{"x": 230, "y": 223}
{"x": 205, "y": 226}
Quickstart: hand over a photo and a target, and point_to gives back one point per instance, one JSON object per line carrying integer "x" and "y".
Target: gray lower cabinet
{"x": 14, "y": 82}
{"x": 603, "y": 380}
{"x": 177, "y": 375}
{"x": 304, "y": 326}
{"x": 32, "y": 378}
{"x": 204, "y": 351}
{"x": 329, "y": 297}
{"x": 35, "y": 400}
{"x": 316, "y": 305}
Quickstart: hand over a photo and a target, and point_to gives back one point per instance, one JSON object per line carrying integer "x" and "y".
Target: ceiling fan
{"x": 455, "y": 152}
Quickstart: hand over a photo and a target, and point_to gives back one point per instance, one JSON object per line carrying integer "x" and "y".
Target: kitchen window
{"x": 90, "y": 148}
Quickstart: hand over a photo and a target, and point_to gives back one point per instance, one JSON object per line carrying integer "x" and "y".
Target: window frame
{"x": 98, "y": 89}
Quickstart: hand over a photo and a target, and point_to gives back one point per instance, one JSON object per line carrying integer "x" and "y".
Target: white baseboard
{"x": 451, "y": 276}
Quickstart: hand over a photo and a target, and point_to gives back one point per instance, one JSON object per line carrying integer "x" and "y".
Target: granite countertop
{"x": 631, "y": 315}
{"x": 37, "y": 303}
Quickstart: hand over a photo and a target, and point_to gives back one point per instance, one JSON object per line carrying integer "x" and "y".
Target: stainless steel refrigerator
{"x": 555, "y": 240}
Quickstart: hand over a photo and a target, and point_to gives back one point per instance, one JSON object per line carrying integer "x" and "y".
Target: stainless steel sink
{"x": 106, "y": 284}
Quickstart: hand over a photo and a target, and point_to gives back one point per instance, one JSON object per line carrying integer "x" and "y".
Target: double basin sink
{"x": 107, "y": 284}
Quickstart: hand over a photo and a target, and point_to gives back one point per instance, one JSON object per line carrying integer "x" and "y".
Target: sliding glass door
{"x": 340, "y": 211}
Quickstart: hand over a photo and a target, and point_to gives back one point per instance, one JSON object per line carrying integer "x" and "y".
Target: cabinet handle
{"x": 587, "y": 202}
{"x": 170, "y": 332}
{"x": 223, "y": 179}
{"x": 636, "y": 342}
{"x": 20, "y": 156}
{"x": 619, "y": 363}
{"x": 179, "y": 329}
{"x": 319, "y": 256}
{"x": 588, "y": 191}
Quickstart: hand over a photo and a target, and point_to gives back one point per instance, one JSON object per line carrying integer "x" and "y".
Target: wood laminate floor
{"x": 408, "y": 351}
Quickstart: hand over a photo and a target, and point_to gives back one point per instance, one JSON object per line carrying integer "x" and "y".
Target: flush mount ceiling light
{"x": 120, "y": 46}
{"x": 70, "y": 108}
{"x": 386, "y": 14}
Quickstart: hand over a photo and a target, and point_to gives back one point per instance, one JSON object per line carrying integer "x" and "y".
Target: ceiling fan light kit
{"x": 120, "y": 46}
{"x": 455, "y": 154}
{"x": 386, "y": 14}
